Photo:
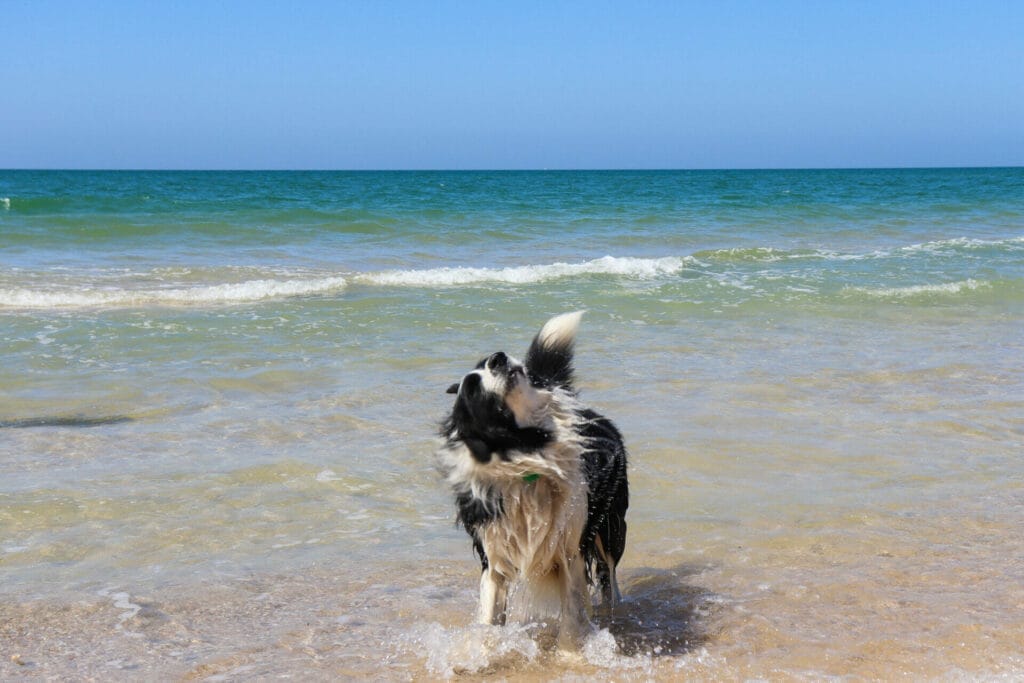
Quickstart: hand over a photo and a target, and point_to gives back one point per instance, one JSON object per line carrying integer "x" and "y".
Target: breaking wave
{"x": 944, "y": 289}
{"x": 637, "y": 268}
{"x": 953, "y": 246}
{"x": 278, "y": 288}
{"x": 705, "y": 277}
{"x": 241, "y": 292}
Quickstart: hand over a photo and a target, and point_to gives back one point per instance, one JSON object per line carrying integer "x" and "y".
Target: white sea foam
{"x": 764, "y": 254}
{"x": 469, "y": 650}
{"x": 948, "y": 288}
{"x": 109, "y": 294}
{"x": 450, "y": 651}
{"x": 327, "y": 475}
{"x": 639, "y": 268}
{"x": 947, "y": 246}
{"x": 240, "y": 292}
{"x": 5, "y": 202}
{"x": 129, "y": 289}
{"x": 773, "y": 255}
{"x": 601, "y": 650}
{"x": 963, "y": 243}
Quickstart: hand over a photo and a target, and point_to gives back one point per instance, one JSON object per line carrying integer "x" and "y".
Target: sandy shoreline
{"x": 796, "y": 603}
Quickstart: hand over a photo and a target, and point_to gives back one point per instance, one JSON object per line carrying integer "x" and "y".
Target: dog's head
{"x": 502, "y": 405}
{"x": 497, "y": 409}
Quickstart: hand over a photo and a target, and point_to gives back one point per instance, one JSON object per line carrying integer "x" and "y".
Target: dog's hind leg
{"x": 493, "y": 595}
{"x": 606, "y": 578}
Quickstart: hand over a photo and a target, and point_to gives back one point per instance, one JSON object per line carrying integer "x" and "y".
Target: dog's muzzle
{"x": 500, "y": 364}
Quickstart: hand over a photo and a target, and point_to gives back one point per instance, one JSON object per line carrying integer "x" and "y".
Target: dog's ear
{"x": 479, "y": 449}
{"x": 453, "y": 389}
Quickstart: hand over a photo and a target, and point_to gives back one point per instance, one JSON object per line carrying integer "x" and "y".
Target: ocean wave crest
{"x": 638, "y": 268}
{"x": 960, "y": 244}
{"x": 767, "y": 255}
{"x": 955, "y": 245}
{"x": 689, "y": 277}
{"x": 105, "y": 292}
{"x": 944, "y": 289}
{"x": 228, "y": 293}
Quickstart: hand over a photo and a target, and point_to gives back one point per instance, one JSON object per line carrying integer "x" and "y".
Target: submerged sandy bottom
{"x": 887, "y": 595}
{"x": 808, "y": 500}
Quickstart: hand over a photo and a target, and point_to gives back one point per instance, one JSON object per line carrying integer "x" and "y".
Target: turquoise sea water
{"x": 220, "y": 391}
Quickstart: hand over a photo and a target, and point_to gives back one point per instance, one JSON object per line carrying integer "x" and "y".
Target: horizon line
{"x": 507, "y": 170}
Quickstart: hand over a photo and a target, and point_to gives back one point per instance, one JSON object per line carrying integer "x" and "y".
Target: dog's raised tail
{"x": 549, "y": 359}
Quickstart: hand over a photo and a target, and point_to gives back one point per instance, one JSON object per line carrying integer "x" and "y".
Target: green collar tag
{"x": 531, "y": 476}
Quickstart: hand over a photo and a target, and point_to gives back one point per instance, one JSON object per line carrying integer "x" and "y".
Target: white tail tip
{"x": 560, "y": 330}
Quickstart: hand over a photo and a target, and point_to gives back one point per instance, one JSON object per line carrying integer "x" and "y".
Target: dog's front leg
{"x": 575, "y": 606}
{"x": 493, "y": 594}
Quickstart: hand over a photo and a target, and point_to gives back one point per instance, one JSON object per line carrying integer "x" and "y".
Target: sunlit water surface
{"x": 220, "y": 394}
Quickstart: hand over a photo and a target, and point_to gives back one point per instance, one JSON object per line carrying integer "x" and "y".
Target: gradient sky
{"x": 390, "y": 84}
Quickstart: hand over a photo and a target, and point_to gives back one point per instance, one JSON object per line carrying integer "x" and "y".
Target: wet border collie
{"x": 540, "y": 485}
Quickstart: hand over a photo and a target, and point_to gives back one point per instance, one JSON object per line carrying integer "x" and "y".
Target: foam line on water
{"x": 65, "y": 297}
{"x": 761, "y": 254}
{"x": 227, "y": 293}
{"x": 630, "y": 267}
{"x": 948, "y": 288}
{"x": 131, "y": 289}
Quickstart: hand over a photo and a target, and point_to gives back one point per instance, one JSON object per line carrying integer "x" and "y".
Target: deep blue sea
{"x": 220, "y": 393}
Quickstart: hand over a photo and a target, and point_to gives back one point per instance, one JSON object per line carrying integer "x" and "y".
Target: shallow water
{"x": 220, "y": 395}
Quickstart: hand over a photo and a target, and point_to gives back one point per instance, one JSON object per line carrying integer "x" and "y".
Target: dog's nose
{"x": 497, "y": 361}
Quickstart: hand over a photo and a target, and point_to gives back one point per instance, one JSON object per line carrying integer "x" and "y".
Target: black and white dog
{"x": 540, "y": 485}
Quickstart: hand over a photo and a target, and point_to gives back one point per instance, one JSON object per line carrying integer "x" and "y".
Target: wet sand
{"x": 800, "y": 602}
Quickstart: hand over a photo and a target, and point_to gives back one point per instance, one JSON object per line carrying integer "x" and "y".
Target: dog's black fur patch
{"x": 604, "y": 464}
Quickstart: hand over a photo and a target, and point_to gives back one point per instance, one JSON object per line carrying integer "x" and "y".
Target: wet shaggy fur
{"x": 540, "y": 485}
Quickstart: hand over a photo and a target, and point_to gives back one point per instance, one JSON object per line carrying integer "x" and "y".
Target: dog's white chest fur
{"x": 536, "y": 573}
{"x": 540, "y": 526}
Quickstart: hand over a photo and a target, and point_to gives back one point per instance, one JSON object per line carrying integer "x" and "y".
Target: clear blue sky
{"x": 391, "y": 84}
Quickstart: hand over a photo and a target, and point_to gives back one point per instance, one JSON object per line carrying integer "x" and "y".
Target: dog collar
{"x": 531, "y": 476}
